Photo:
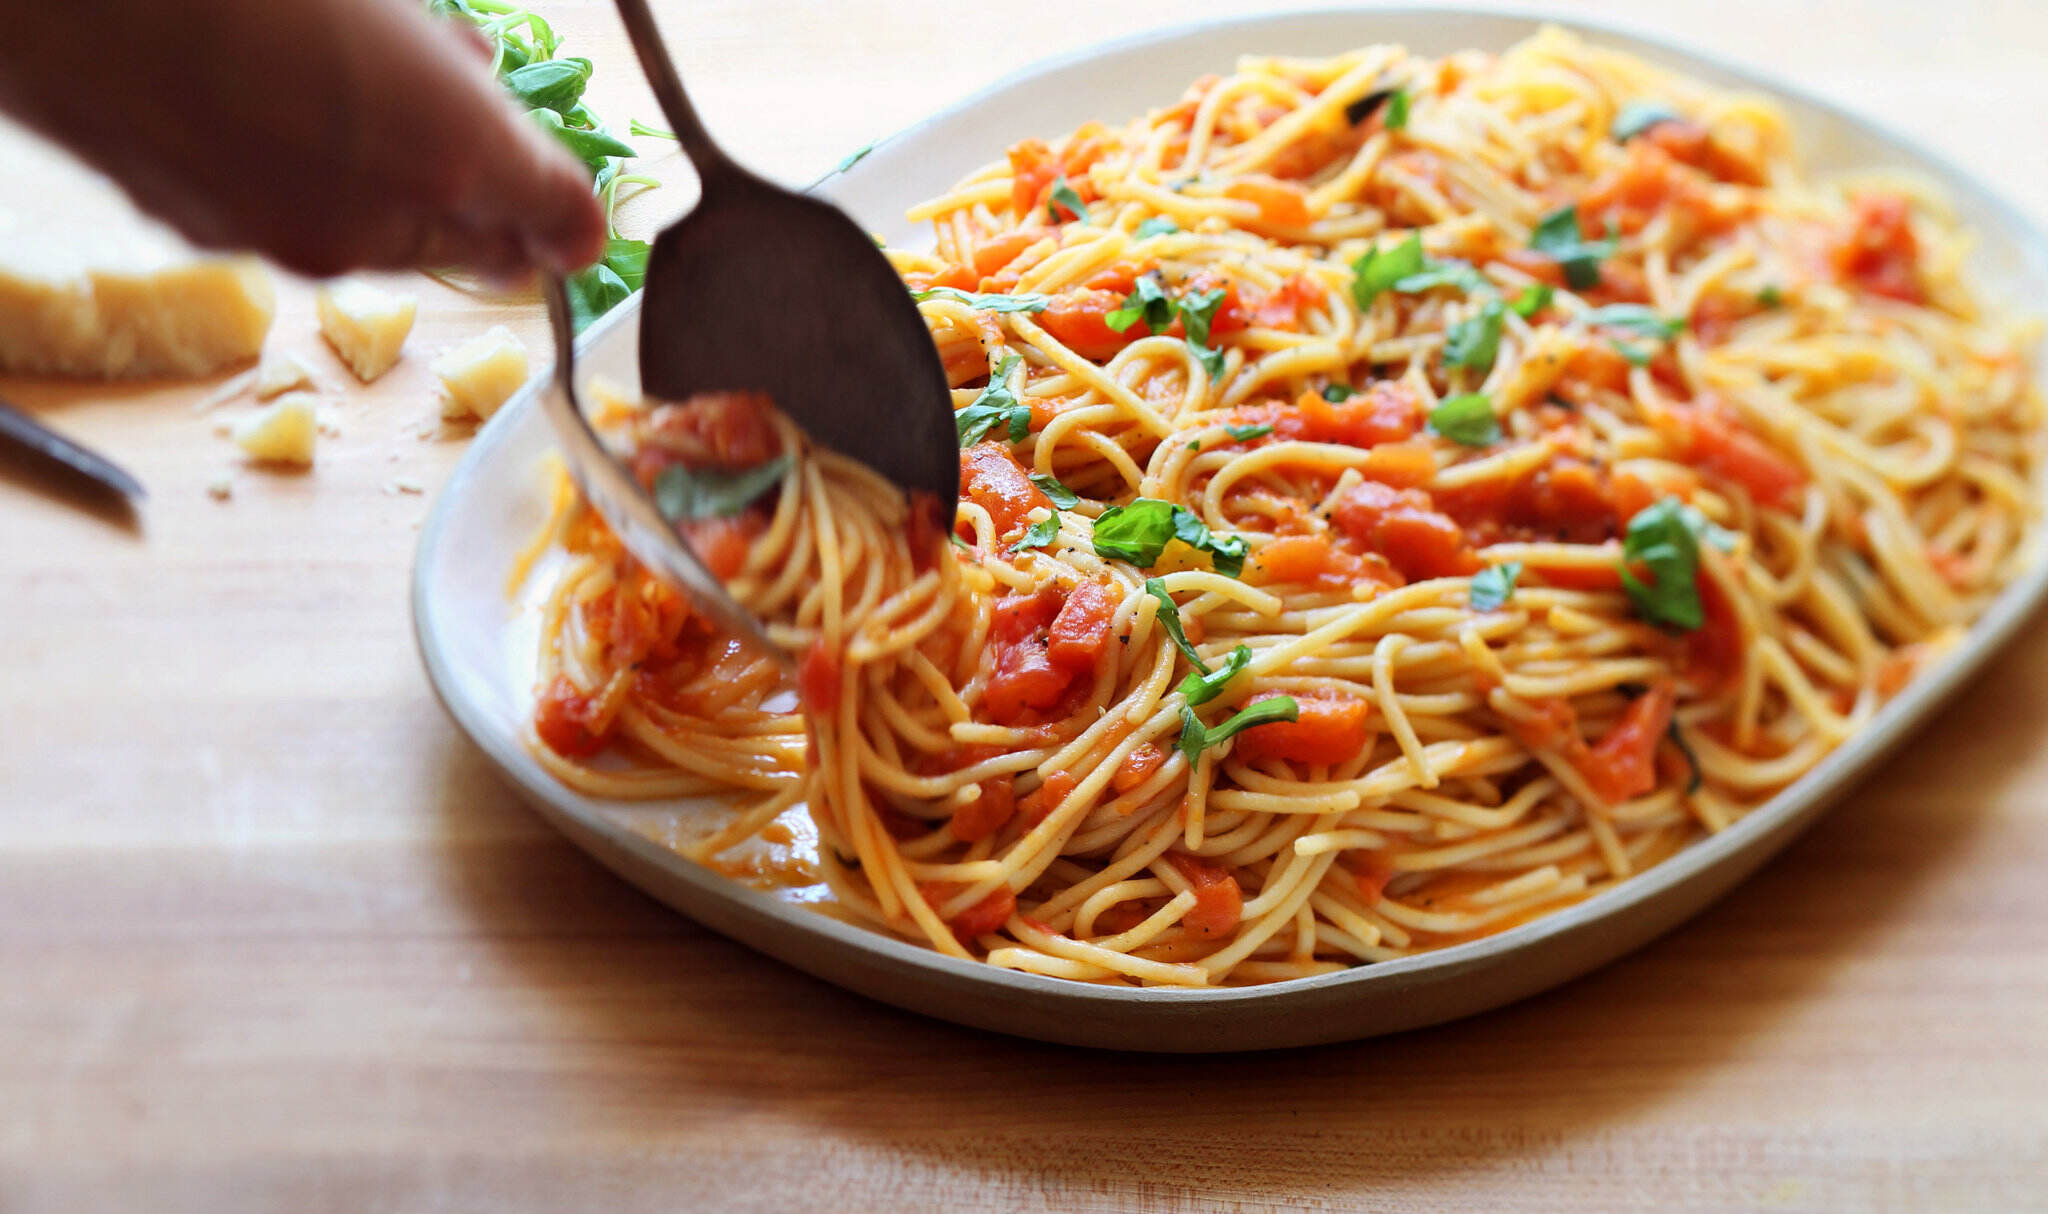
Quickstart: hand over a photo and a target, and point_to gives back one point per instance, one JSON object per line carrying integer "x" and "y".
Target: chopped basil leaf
{"x": 1707, "y": 529}
{"x": 1061, "y": 497}
{"x": 1685, "y": 748}
{"x": 1194, "y": 444}
{"x": 1227, "y": 553}
{"x": 1493, "y": 585}
{"x": 1194, "y": 739}
{"x": 1197, "y": 313}
{"x": 1149, "y": 302}
{"x": 1040, "y": 534}
{"x": 995, "y": 404}
{"x": 1139, "y": 532}
{"x": 1771, "y": 297}
{"x": 986, "y": 303}
{"x": 1397, "y": 110}
{"x": 1241, "y": 433}
{"x": 958, "y": 542}
{"x": 1379, "y": 269}
{"x": 1558, "y": 238}
{"x": 1169, "y": 619}
{"x": 1363, "y": 108}
{"x": 853, "y": 158}
{"x": 1339, "y": 392}
{"x": 1636, "y": 355}
{"x": 1158, "y": 225}
{"x": 1466, "y": 419}
{"x": 1206, "y": 686}
{"x": 1636, "y": 318}
{"x": 682, "y": 493}
{"x": 1136, "y": 533}
{"x": 1533, "y": 299}
{"x": 1664, "y": 539}
{"x": 1639, "y": 116}
{"x": 1436, "y": 274}
{"x": 552, "y": 84}
{"x": 1475, "y": 341}
{"x": 1063, "y": 195}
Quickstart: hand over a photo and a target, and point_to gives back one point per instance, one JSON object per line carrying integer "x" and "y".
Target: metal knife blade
{"x": 31, "y": 435}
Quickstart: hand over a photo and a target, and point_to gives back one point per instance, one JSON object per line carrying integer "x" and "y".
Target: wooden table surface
{"x": 272, "y": 936}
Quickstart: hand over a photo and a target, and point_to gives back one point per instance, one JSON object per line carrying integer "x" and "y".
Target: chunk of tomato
{"x": 1386, "y": 412}
{"x": 562, "y": 719}
{"x": 1327, "y": 729}
{"x": 1623, "y": 763}
{"x": 1219, "y": 902}
{"x": 1080, "y": 632}
{"x": 1404, "y": 526}
{"x": 992, "y": 478}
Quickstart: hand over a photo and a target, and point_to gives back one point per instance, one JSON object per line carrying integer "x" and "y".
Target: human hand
{"x": 327, "y": 135}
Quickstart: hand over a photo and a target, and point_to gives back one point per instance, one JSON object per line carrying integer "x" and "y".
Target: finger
{"x": 473, "y": 38}
{"x": 498, "y": 255}
{"x": 540, "y": 191}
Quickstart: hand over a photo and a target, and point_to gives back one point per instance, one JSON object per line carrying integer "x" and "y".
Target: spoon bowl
{"x": 761, "y": 288}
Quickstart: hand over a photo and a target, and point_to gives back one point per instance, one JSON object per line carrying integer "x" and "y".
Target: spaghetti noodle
{"x": 1401, "y": 498}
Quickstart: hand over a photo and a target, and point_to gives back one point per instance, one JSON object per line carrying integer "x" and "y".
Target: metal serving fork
{"x": 765, "y": 289}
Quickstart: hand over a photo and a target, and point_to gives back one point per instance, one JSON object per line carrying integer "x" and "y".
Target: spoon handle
{"x": 710, "y": 160}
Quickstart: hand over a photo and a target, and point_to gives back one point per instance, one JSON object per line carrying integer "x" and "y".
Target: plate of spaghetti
{"x": 1434, "y": 516}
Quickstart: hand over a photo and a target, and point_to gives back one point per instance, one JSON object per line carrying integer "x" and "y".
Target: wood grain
{"x": 273, "y": 937}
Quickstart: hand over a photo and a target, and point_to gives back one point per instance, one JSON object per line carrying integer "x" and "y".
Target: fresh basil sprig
{"x": 523, "y": 56}
{"x": 551, "y": 84}
{"x": 593, "y": 291}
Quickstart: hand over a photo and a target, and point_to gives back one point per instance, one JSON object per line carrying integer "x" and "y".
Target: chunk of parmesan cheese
{"x": 90, "y": 287}
{"x": 280, "y": 373}
{"x": 481, "y": 374}
{"x": 365, "y": 324}
{"x": 283, "y": 432}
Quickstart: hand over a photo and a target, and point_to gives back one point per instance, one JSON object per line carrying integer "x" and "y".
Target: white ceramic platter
{"x": 478, "y": 645}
